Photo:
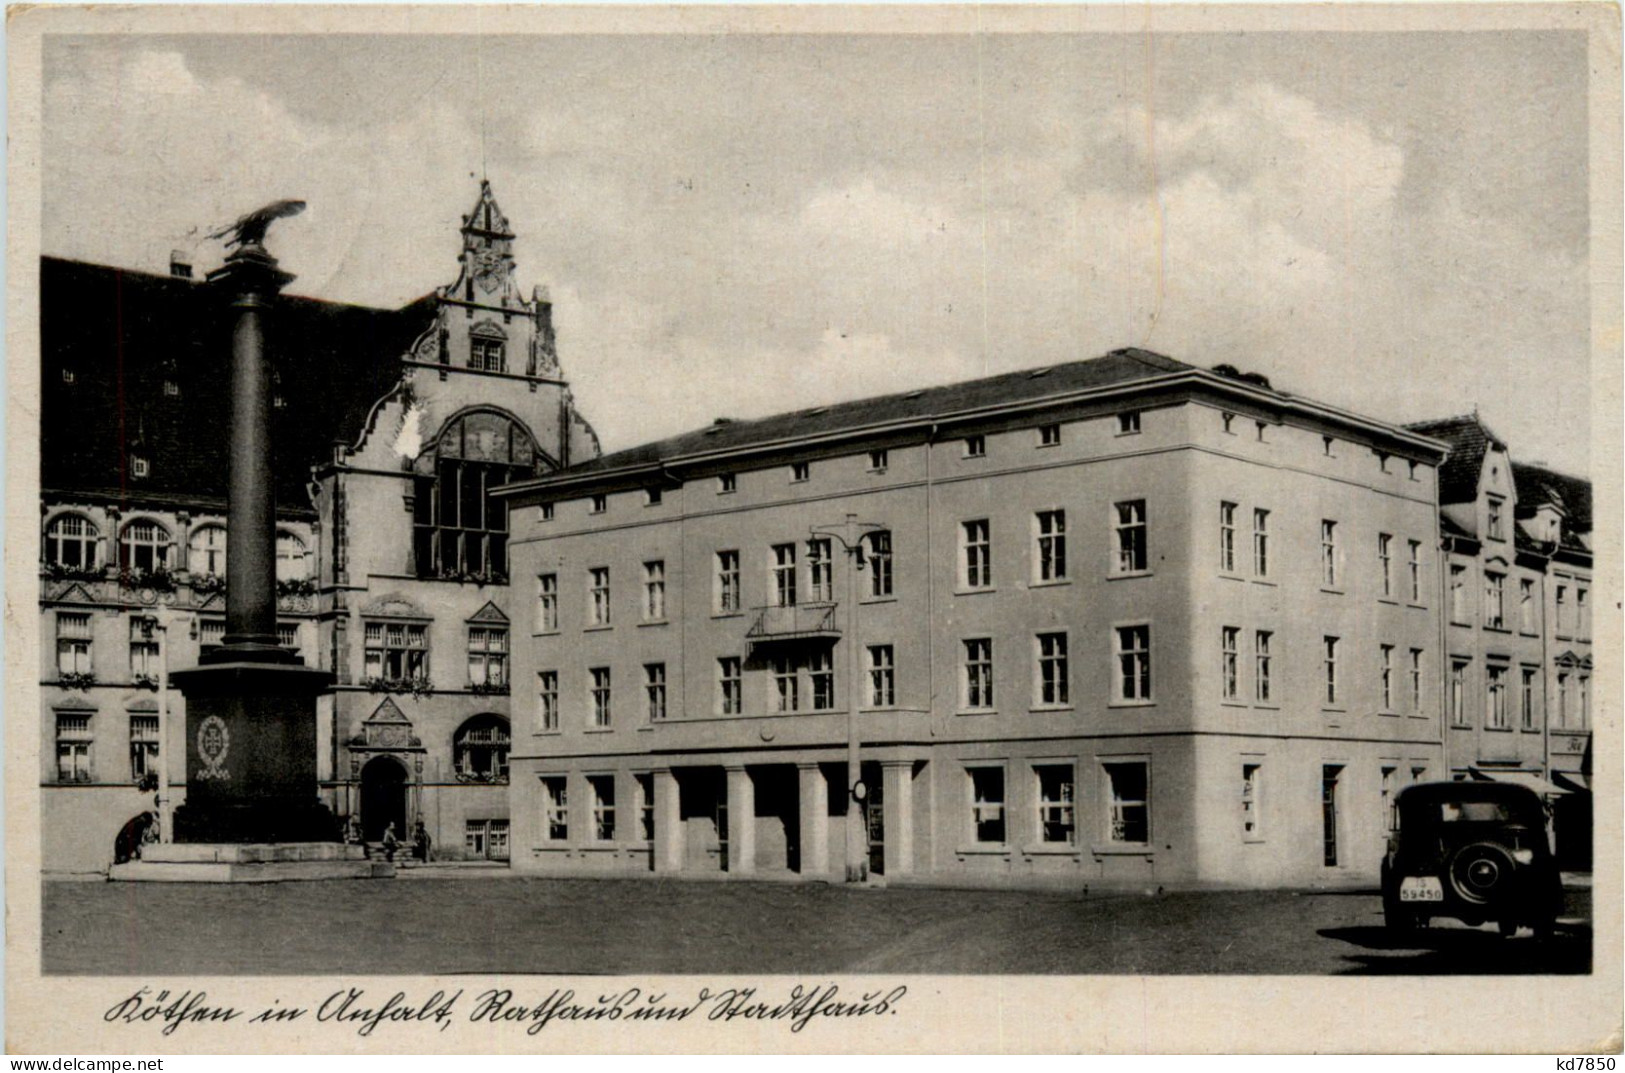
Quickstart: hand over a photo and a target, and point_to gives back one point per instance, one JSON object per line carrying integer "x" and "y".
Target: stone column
{"x": 668, "y": 840}
{"x": 897, "y": 782}
{"x": 814, "y": 820}
{"x": 741, "y": 822}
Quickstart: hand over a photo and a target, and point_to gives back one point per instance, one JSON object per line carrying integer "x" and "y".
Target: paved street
{"x": 513, "y": 925}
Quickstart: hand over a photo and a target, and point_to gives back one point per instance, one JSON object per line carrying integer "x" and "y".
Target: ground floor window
{"x": 646, "y": 806}
{"x": 987, "y": 803}
{"x": 1057, "y": 794}
{"x": 1252, "y": 780}
{"x": 555, "y": 814}
{"x": 143, "y": 746}
{"x": 601, "y": 797}
{"x": 486, "y": 839}
{"x": 1129, "y": 802}
{"x": 1330, "y": 775}
{"x": 73, "y": 747}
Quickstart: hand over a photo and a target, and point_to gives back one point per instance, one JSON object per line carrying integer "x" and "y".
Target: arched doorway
{"x": 383, "y": 798}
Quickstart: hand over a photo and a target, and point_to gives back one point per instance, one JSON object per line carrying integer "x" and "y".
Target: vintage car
{"x": 1475, "y": 851}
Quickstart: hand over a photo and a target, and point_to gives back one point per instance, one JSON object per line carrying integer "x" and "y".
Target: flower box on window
{"x": 146, "y": 681}
{"x": 157, "y": 580}
{"x": 58, "y": 572}
{"x": 418, "y": 687}
{"x": 81, "y": 680}
{"x": 295, "y": 586}
{"x": 499, "y": 689}
{"x": 207, "y": 584}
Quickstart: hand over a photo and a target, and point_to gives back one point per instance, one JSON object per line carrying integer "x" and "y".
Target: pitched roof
{"x": 1468, "y": 438}
{"x": 122, "y": 334}
{"x": 1117, "y": 367}
{"x": 1537, "y": 485}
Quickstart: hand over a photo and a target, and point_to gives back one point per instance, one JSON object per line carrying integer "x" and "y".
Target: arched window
{"x": 144, "y": 547}
{"x": 291, "y": 564}
{"x": 206, "y": 550}
{"x": 459, "y": 529}
{"x": 70, "y": 540}
{"x": 480, "y": 749}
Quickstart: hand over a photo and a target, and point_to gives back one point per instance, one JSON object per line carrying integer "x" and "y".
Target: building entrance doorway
{"x": 383, "y": 798}
{"x": 874, "y": 818}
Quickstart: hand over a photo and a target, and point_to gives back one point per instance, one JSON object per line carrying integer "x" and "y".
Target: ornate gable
{"x": 489, "y": 614}
{"x": 387, "y": 728}
{"x": 392, "y": 605}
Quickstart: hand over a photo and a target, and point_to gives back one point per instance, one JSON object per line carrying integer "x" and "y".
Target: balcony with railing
{"x": 797, "y": 622}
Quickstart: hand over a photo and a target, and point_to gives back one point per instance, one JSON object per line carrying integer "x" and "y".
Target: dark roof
{"x": 1468, "y": 438}
{"x": 1537, "y": 485}
{"x": 1117, "y": 367}
{"x": 122, "y": 334}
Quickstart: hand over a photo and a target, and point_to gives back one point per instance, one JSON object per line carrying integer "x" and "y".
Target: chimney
{"x": 180, "y": 266}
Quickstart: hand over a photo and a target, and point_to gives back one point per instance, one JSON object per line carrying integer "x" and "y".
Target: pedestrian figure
{"x": 390, "y": 841}
{"x": 420, "y": 842}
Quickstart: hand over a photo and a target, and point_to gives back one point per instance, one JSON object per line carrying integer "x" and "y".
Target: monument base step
{"x": 249, "y": 852}
{"x": 282, "y": 871}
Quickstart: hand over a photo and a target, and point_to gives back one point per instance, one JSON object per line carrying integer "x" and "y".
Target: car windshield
{"x": 1475, "y": 812}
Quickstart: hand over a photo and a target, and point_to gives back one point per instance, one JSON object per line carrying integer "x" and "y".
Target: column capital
{"x": 905, "y": 763}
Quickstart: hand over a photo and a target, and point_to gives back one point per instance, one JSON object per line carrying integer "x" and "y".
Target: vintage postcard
{"x": 826, "y": 529}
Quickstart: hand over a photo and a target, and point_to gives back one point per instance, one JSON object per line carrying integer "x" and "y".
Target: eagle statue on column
{"x": 249, "y": 229}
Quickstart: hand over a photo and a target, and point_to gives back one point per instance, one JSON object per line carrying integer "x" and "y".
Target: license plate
{"x": 1421, "y": 889}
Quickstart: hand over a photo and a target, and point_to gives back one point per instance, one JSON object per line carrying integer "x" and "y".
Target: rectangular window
{"x": 1328, "y": 553}
{"x": 730, "y": 686}
{"x": 1563, "y": 700}
{"x": 1129, "y": 802}
{"x": 801, "y": 471}
{"x": 987, "y": 803}
{"x": 878, "y": 460}
{"x": 598, "y": 596}
{"x": 1416, "y": 681}
{"x": 72, "y": 642}
{"x": 555, "y": 808}
{"x": 1053, "y": 676}
{"x": 1385, "y": 561}
{"x": 143, "y": 746}
{"x": 978, "y": 674}
{"x": 1261, "y": 665}
{"x": 1261, "y": 543}
{"x": 975, "y": 446}
{"x": 644, "y": 782}
{"x": 654, "y": 691}
{"x": 601, "y": 794}
{"x": 600, "y": 503}
{"x": 1049, "y": 435}
{"x": 1252, "y": 816}
{"x": 395, "y": 650}
{"x": 1385, "y": 673}
{"x": 727, "y": 596}
{"x": 547, "y": 603}
{"x": 821, "y": 669}
{"x": 879, "y": 549}
{"x": 1329, "y": 645}
{"x": 73, "y": 747}
{"x": 1495, "y": 698}
{"x": 485, "y": 354}
{"x": 1131, "y": 556}
{"x": 1330, "y": 776}
{"x": 1458, "y": 692}
{"x": 1526, "y": 605}
{"x": 882, "y": 676}
{"x": 1526, "y": 699}
{"x": 1562, "y": 600}
{"x": 654, "y": 591}
{"x": 488, "y": 656}
{"x": 653, "y": 497}
{"x": 1229, "y": 672}
{"x": 143, "y": 650}
{"x": 1497, "y": 530}
{"x": 1128, "y": 422}
{"x": 727, "y": 483}
{"x": 1385, "y": 794}
{"x": 785, "y": 684}
{"x": 1582, "y": 616}
{"x": 1494, "y": 601}
{"x": 1051, "y": 549}
{"x": 784, "y": 575}
{"x": 601, "y": 710}
{"x": 547, "y": 700}
{"x": 1133, "y": 662}
{"x": 1458, "y": 594}
{"x": 820, "y": 571}
{"x": 976, "y": 556}
{"x": 1584, "y": 682}
{"x": 546, "y": 512}
{"x": 1414, "y": 566}
{"x": 1057, "y": 803}
{"x": 1227, "y": 537}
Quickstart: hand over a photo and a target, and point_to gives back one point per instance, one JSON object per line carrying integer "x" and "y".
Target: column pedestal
{"x": 741, "y": 822}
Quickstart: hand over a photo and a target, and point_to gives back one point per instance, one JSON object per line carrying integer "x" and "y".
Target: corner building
{"x": 1120, "y": 621}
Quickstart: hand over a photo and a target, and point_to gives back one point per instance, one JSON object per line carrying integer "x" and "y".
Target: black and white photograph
{"x": 782, "y": 516}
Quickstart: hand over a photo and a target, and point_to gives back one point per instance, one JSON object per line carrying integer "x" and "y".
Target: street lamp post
{"x": 857, "y": 836}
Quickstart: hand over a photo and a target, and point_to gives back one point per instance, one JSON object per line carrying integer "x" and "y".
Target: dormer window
{"x": 139, "y": 466}
{"x": 1495, "y": 529}
{"x": 486, "y": 353}
{"x": 67, "y": 375}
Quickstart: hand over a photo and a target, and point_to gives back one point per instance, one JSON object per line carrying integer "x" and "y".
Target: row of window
{"x": 73, "y": 541}
{"x": 400, "y": 650}
{"x": 74, "y": 643}
{"x": 479, "y": 747}
{"x": 1573, "y": 618}
{"x": 1573, "y": 699}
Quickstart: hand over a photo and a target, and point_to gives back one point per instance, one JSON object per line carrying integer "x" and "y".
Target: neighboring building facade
{"x": 1123, "y": 621}
{"x": 391, "y": 427}
{"x": 1517, "y": 562}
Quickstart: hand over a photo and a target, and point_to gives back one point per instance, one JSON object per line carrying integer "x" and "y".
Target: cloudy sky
{"x": 740, "y": 224}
